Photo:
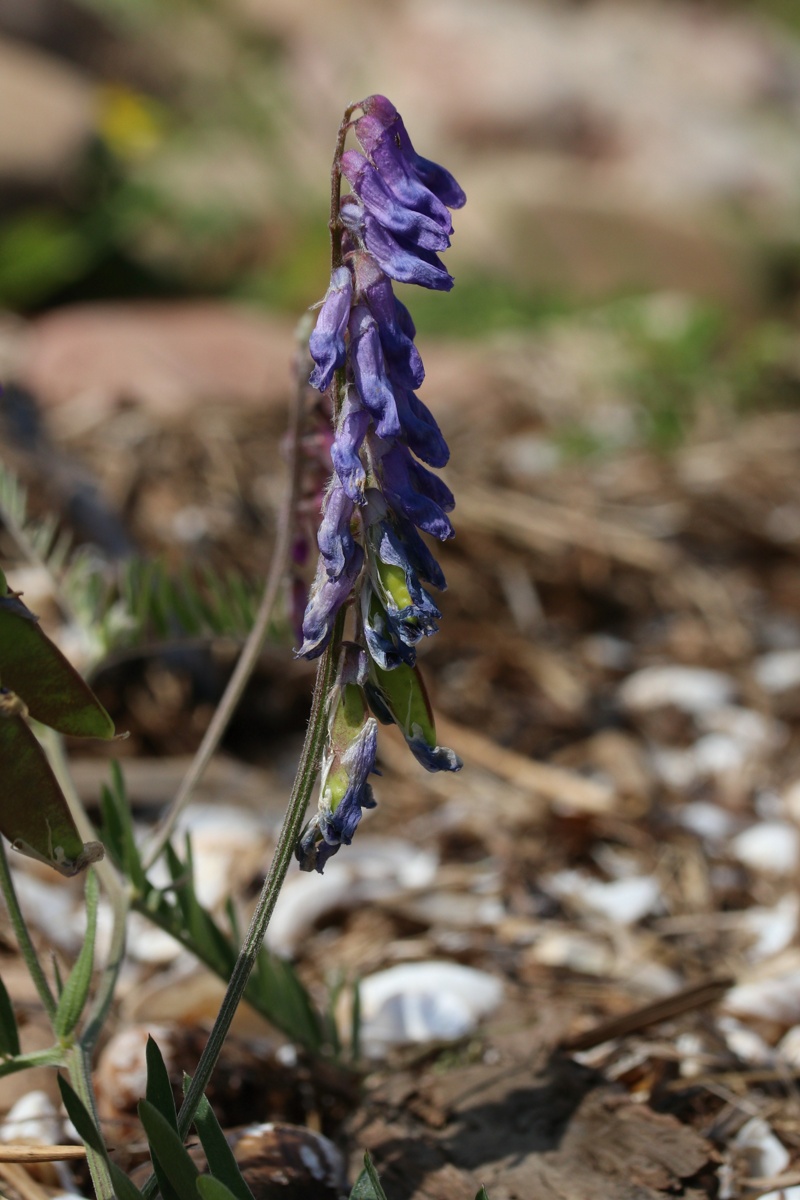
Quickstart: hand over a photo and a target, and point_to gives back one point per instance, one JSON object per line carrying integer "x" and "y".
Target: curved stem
{"x": 252, "y": 647}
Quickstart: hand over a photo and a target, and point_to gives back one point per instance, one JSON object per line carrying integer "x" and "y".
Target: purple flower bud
{"x": 410, "y": 611}
{"x": 335, "y": 537}
{"x": 383, "y": 644}
{"x": 328, "y": 594}
{"x": 326, "y": 343}
{"x": 369, "y": 371}
{"x": 384, "y": 205}
{"x": 416, "y": 493}
{"x": 420, "y": 557}
{"x": 351, "y": 430}
{"x": 402, "y": 261}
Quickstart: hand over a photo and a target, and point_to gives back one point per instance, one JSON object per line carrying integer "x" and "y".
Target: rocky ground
{"x": 578, "y": 958}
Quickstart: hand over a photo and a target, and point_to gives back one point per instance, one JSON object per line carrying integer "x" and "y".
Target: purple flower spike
{"x": 351, "y": 430}
{"x": 327, "y": 597}
{"x": 335, "y": 538}
{"x": 402, "y": 261}
{"x": 369, "y": 371}
{"x": 367, "y": 184}
{"x": 326, "y": 343}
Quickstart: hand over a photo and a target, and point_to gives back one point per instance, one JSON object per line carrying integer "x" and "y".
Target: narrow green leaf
{"x": 34, "y": 815}
{"x": 81, "y": 1119}
{"x": 124, "y": 1189}
{"x": 368, "y": 1186}
{"x": 177, "y": 1174}
{"x": 210, "y": 1188}
{"x": 9, "y": 1034}
{"x": 76, "y": 990}
{"x": 482, "y": 1194}
{"x": 221, "y": 1160}
{"x": 90, "y": 1135}
{"x": 355, "y": 1024}
{"x": 36, "y": 670}
{"x": 159, "y": 1088}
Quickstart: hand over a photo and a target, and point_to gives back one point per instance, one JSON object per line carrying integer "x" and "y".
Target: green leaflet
{"x": 9, "y": 1035}
{"x": 33, "y": 667}
{"x": 76, "y": 990}
{"x": 34, "y": 814}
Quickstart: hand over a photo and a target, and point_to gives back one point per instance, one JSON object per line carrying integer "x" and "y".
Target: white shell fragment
{"x": 693, "y": 690}
{"x": 776, "y": 998}
{"x": 621, "y": 902}
{"x": 32, "y": 1120}
{"x": 766, "y": 1155}
{"x": 772, "y": 847}
{"x": 423, "y": 1002}
{"x": 778, "y": 671}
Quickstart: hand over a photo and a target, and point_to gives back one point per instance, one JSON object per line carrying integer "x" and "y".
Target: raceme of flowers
{"x": 382, "y": 493}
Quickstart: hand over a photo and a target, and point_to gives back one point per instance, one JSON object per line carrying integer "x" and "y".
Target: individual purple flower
{"x": 421, "y": 432}
{"x": 326, "y": 343}
{"x": 416, "y": 493}
{"x": 393, "y": 321}
{"x": 369, "y": 372}
{"x": 384, "y": 205}
{"x": 328, "y": 594}
{"x": 410, "y": 610}
{"x": 398, "y": 696}
{"x": 400, "y": 259}
{"x": 380, "y": 634}
{"x": 335, "y": 537}
{"x": 416, "y": 181}
{"x": 351, "y": 429}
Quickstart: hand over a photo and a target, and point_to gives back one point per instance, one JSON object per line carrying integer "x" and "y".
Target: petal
{"x": 421, "y": 433}
{"x": 398, "y": 172}
{"x": 385, "y": 206}
{"x": 326, "y": 343}
{"x": 402, "y": 356}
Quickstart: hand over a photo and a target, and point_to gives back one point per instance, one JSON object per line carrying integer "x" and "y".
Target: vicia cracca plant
{"x": 373, "y": 562}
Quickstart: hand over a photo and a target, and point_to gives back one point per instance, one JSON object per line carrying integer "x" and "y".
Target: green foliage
{"x": 40, "y": 252}
{"x": 91, "y": 1136}
{"x": 9, "y": 1034}
{"x": 76, "y": 989}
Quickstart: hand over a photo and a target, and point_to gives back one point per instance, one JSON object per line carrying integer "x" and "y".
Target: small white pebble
{"x": 771, "y": 847}
{"x": 778, "y": 671}
{"x": 693, "y": 690}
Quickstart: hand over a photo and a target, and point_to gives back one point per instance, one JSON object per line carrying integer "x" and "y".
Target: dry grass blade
{"x": 691, "y": 998}
{"x": 541, "y": 525}
{"x": 554, "y": 783}
{"x": 21, "y": 1182}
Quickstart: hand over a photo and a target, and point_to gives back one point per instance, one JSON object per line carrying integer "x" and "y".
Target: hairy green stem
{"x": 80, "y": 1076}
{"x": 26, "y": 946}
{"x": 104, "y": 995}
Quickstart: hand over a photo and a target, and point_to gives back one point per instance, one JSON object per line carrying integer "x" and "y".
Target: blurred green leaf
{"x": 33, "y": 667}
{"x": 34, "y": 814}
{"x": 9, "y": 1034}
{"x": 213, "y": 1189}
{"x": 177, "y": 1175}
{"x": 73, "y": 998}
{"x": 482, "y": 1194}
{"x": 40, "y": 252}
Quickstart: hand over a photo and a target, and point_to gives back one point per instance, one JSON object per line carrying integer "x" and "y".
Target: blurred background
{"x": 618, "y": 374}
